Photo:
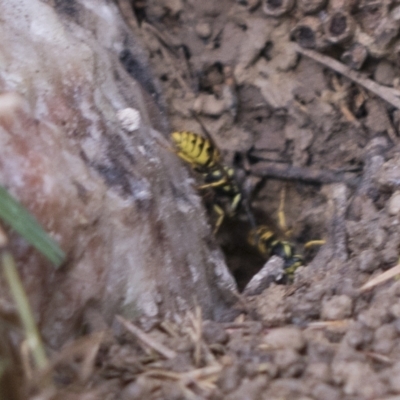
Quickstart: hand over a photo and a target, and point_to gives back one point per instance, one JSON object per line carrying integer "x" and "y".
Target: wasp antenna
{"x": 165, "y": 144}
{"x": 203, "y": 127}
{"x": 249, "y": 213}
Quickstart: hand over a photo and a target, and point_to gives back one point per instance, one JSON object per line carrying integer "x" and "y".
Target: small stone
{"x": 396, "y": 324}
{"x": 208, "y": 104}
{"x": 378, "y": 121}
{"x": 338, "y": 307}
{"x": 229, "y": 378}
{"x": 373, "y": 317}
{"x": 203, "y": 30}
{"x": 174, "y": 6}
{"x": 384, "y": 338}
{"x": 358, "y": 379}
{"x": 395, "y": 310}
{"x": 355, "y": 56}
{"x": 319, "y": 370}
{"x": 395, "y": 13}
{"x": 286, "y": 388}
{"x": 268, "y": 368}
{"x": 394, "y": 203}
{"x": 290, "y": 337}
{"x": 129, "y": 119}
{"x": 322, "y": 391}
{"x": 250, "y": 389}
{"x": 358, "y": 335}
{"x": 385, "y": 73}
{"x": 367, "y": 261}
{"x": 286, "y": 358}
{"x": 394, "y": 381}
{"x": 214, "y": 333}
{"x": 391, "y": 253}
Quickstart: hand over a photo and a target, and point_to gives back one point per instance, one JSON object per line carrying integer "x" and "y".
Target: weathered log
{"x": 116, "y": 199}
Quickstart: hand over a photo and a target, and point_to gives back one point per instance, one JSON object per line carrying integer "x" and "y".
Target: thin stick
{"x": 128, "y": 13}
{"x": 383, "y": 277}
{"x": 146, "y": 339}
{"x": 186, "y": 377}
{"x": 392, "y": 96}
{"x": 304, "y": 174}
{"x": 342, "y": 323}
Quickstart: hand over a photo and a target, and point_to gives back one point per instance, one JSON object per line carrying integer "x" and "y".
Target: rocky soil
{"x": 276, "y": 84}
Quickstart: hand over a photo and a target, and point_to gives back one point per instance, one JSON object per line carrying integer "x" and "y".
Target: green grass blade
{"x": 15, "y": 215}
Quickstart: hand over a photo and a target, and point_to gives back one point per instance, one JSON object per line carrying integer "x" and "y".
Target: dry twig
{"x": 379, "y": 357}
{"x": 146, "y": 339}
{"x": 337, "y": 324}
{"x": 392, "y": 96}
{"x": 204, "y": 378}
{"x": 304, "y": 174}
{"x": 383, "y": 277}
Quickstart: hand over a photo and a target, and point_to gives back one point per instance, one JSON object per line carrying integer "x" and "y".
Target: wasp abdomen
{"x": 195, "y": 149}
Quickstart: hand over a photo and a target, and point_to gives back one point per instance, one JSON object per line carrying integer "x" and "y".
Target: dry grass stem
{"x": 204, "y": 378}
{"x": 342, "y": 323}
{"x": 383, "y": 277}
{"x": 392, "y": 96}
{"x": 195, "y": 332}
{"x": 25, "y": 353}
{"x": 146, "y": 339}
{"x": 24, "y": 310}
{"x": 379, "y": 357}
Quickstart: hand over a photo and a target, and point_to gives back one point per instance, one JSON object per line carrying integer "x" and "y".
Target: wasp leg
{"x": 312, "y": 243}
{"x": 235, "y": 202}
{"x": 262, "y": 238}
{"x": 219, "y": 183}
{"x": 281, "y": 211}
{"x": 221, "y": 215}
{"x": 291, "y": 265}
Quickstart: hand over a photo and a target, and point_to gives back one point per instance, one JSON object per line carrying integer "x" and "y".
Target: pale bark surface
{"x": 119, "y": 203}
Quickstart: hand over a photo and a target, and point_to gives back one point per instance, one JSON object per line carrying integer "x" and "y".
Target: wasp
{"x": 268, "y": 245}
{"x": 205, "y": 158}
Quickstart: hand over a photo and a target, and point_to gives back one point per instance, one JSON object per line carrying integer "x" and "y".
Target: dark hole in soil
{"x": 274, "y": 3}
{"x": 186, "y": 52}
{"x": 211, "y": 76}
{"x": 338, "y": 24}
{"x": 139, "y": 8}
{"x": 266, "y": 51}
{"x": 305, "y": 36}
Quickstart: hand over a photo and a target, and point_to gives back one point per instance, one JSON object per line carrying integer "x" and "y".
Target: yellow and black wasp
{"x": 205, "y": 158}
{"x": 268, "y": 245}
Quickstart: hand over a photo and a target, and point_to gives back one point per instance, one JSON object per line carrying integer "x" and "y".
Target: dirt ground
{"x": 290, "y": 125}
